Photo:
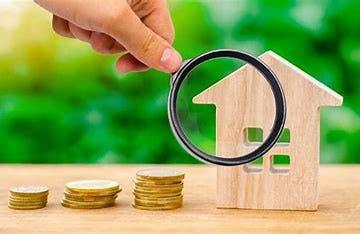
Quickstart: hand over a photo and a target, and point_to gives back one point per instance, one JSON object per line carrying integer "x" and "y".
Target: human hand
{"x": 141, "y": 28}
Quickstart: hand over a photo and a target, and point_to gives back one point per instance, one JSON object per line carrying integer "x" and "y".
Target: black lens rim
{"x": 280, "y": 107}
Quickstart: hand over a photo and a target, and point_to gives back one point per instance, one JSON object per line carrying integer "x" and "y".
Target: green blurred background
{"x": 62, "y": 103}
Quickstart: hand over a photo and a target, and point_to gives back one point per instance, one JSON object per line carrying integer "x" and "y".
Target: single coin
{"x": 158, "y": 191}
{"x": 29, "y": 190}
{"x": 92, "y": 193}
{"x": 156, "y": 203}
{"x": 86, "y": 207}
{"x": 25, "y": 207}
{"x": 17, "y": 203}
{"x": 87, "y": 203}
{"x": 155, "y": 208}
{"x": 149, "y": 195}
{"x": 93, "y": 186}
{"x": 159, "y": 174}
{"x": 167, "y": 186}
{"x": 90, "y": 199}
{"x": 160, "y": 199}
{"x": 157, "y": 182}
{"x": 27, "y": 198}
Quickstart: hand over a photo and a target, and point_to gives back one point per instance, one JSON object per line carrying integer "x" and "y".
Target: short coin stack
{"x": 28, "y": 197}
{"x": 158, "y": 189}
{"x": 90, "y": 194}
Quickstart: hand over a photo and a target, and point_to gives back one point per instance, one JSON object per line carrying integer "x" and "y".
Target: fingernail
{"x": 170, "y": 60}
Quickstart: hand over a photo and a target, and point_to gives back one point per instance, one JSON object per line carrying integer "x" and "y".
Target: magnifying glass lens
{"x": 225, "y": 107}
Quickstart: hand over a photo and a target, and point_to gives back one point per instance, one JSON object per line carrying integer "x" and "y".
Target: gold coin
{"x": 141, "y": 202}
{"x": 159, "y": 174}
{"x": 156, "y": 182}
{"x": 179, "y": 197}
{"x": 158, "y": 191}
{"x": 25, "y": 207}
{"x": 149, "y": 195}
{"x": 156, "y": 208}
{"x": 27, "y": 198}
{"x": 174, "y": 204}
{"x": 92, "y": 193}
{"x": 92, "y": 186}
{"x": 89, "y": 198}
{"x": 23, "y": 204}
{"x": 86, "y": 207}
{"x": 160, "y": 199}
{"x": 87, "y": 203}
{"x": 29, "y": 190}
{"x": 172, "y": 186}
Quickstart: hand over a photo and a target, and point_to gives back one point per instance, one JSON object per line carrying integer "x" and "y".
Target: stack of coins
{"x": 90, "y": 194}
{"x": 158, "y": 189}
{"x": 28, "y": 197}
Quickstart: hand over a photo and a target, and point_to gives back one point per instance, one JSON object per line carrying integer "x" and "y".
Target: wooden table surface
{"x": 339, "y": 209}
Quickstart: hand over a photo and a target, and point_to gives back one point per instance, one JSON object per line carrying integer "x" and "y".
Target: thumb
{"x": 145, "y": 45}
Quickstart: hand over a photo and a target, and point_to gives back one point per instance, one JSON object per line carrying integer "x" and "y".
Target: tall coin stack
{"x": 28, "y": 197}
{"x": 90, "y": 194}
{"x": 158, "y": 189}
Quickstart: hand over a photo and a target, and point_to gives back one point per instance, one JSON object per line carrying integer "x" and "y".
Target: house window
{"x": 255, "y": 166}
{"x": 285, "y": 136}
{"x": 280, "y": 163}
{"x": 254, "y": 135}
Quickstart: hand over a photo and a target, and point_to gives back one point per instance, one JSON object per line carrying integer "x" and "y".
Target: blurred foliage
{"x": 62, "y": 103}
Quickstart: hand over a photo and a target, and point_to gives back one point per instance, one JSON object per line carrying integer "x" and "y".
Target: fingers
{"x": 79, "y": 33}
{"x": 100, "y": 42}
{"x": 145, "y": 45}
{"x": 160, "y": 21}
{"x": 105, "y": 44}
{"x": 117, "y": 20}
{"x": 128, "y": 63}
{"x": 61, "y": 27}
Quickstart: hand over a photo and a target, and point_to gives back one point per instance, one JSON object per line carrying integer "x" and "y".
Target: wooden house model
{"x": 243, "y": 102}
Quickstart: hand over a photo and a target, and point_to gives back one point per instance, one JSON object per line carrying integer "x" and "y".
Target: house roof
{"x": 332, "y": 98}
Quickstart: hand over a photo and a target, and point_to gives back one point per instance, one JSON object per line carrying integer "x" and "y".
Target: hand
{"x": 141, "y": 28}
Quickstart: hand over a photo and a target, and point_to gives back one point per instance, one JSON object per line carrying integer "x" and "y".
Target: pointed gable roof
{"x": 329, "y": 97}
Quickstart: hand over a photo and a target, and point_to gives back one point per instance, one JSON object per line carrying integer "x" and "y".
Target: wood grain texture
{"x": 244, "y": 99}
{"x": 339, "y": 209}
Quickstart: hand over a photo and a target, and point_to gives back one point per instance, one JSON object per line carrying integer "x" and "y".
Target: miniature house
{"x": 244, "y": 102}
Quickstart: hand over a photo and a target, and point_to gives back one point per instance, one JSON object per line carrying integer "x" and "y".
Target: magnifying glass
{"x": 181, "y": 77}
